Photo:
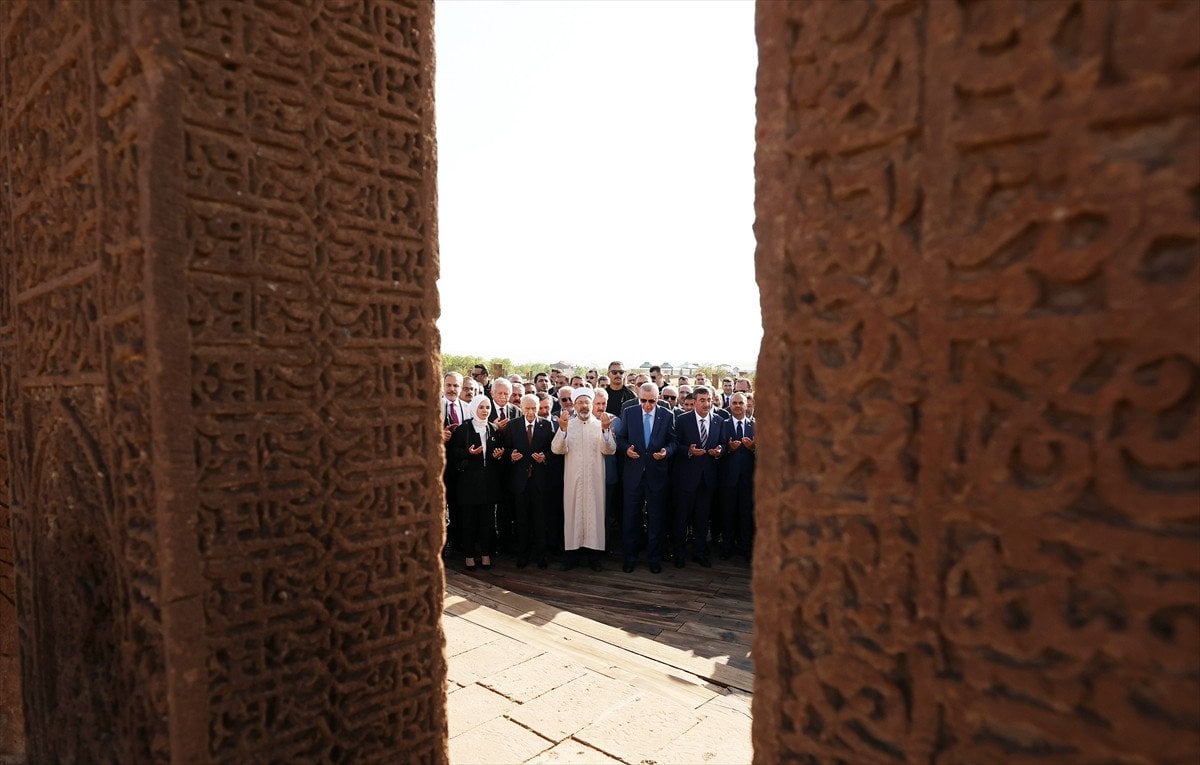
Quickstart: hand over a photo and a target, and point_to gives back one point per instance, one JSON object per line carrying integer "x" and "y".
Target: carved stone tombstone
{"x": 217, "y": 325}
{"x": 979, "y": 254}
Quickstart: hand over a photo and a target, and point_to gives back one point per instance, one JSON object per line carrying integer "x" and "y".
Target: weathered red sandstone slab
{"x": 979, "y": 260}
{"x": 218, "y": 274}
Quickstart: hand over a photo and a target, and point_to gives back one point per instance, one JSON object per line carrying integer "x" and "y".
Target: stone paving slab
{"x": 515, "y": 696}
{"x": 646, "y": 724}
{"x": 488, "y": 659}
{"x": 566, "y": 709}
{"x": 719, "y": 738}
{"x": 473, "y": 706}
{"x": 526, "y": 681}
{"x": 734, "y": 703}
{"x": 572, "y": 752}
{"x": 499, "y": 740}
{"x": 462, "y": 636}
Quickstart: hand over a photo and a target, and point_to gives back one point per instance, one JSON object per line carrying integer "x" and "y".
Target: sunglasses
{"x": 565, "y": 400}
{"x": 648, "y": 400}
{"x": 616, "y": 372}
{"x": 669, "y": 398}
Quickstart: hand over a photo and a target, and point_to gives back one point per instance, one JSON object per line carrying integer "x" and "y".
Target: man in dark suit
{"x": 669, "y": 398}
{"x": 528, "y": 441}
{"x": 504, "y": 402}
{"x": 454, "y": 413}
{"x": 503, "y": 410}
{"x": 636, "y": 403}
{"x": 562, "y": 400}
{"x": 726, "y": 392}
{"x": 480, "y": 375}
{"x": 554, "y": 481}
{"x": 737, "y": 481}
{"x": 647, "y": 440}
{"x": 698, "y": 442}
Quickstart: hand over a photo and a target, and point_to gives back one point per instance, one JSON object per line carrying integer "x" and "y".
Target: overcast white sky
{"x": 608, "y": 146}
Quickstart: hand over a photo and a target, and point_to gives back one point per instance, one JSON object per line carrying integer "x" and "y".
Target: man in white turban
{"x": 584, "y": 439}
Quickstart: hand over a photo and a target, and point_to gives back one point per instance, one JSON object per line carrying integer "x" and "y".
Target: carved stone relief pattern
{"x": 979, "y": 256}
{"x": 12, "y": 720}
{"x": 310, "y": 306}
{"x": 75, "y": 386}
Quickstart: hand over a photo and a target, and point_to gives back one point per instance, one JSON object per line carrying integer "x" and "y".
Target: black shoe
{"x": 522, "y": 563}
{"x": 704, "y": 561}
{"x": 594, "y": 565}
{"x": 567, "y": 565}
{"x": 725, "y": 554}
{"x": 542, "y": 563}
{"x": 627, "y": 568}
{"x": 679, "y": 563}
{"x": 655, "y": 568}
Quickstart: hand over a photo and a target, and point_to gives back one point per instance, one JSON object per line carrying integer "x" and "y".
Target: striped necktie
{"x": 703, "y": 431}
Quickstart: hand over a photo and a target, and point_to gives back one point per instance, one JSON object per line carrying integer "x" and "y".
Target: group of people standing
{"x": 648, "y": 470}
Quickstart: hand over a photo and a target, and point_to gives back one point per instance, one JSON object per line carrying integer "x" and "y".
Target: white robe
{"x": 584, "y": 444}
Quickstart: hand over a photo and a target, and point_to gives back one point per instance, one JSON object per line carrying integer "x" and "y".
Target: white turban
{"x": 582, "y": 392}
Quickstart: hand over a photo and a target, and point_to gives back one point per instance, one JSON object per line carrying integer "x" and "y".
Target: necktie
{"x": 647, "y": 424}
{"x": 529, "y": 436}
{"x": 739, "y": 430}
{"x": 703, "y": 430}
{"x": 454, "y": 413}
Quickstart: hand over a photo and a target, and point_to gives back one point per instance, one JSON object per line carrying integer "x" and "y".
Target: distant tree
{"x": 452, "y": 362}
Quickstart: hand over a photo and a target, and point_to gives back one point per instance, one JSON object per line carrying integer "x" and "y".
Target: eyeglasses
{"x": 616, "y": 372}
{"x": 565, "y": 400}
{"x": 648, "y": 400}
{"x": 670, "y": 398}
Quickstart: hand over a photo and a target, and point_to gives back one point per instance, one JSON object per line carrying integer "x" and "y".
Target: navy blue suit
{"x": 505, "y": 525}
{"x": 737, "y": 491}
{"x": 645, "y": 479}
{"x": 529, "y": 480}
{"x": 696, "y": 482}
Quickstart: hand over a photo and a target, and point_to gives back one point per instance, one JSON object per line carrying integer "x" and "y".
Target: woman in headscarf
{"x": 475, "y": 449}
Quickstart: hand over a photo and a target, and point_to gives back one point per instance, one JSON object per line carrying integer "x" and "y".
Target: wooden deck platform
{"x": 705, "y": 613}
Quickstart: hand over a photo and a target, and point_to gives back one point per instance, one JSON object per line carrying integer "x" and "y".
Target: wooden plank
{"x": 634, "y": 623}
{"x": 725, "y": 622}
{"x": 702, "y": 667}
{"x": 724, "y": 605}
{"x": 715, "y": 633}
{"x": 737, "y": 656}
{"x": 574, "y": 593}
{"x": 626, "y": 589}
